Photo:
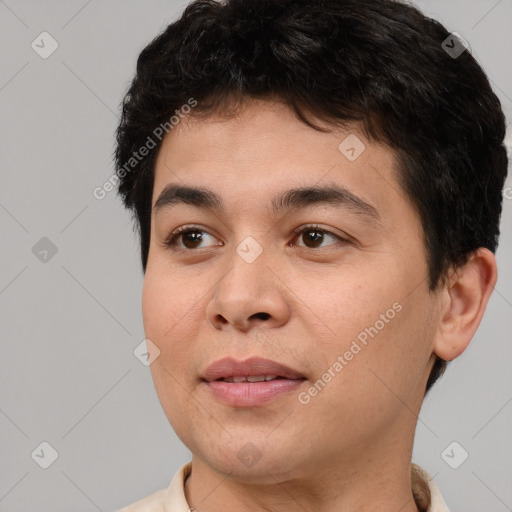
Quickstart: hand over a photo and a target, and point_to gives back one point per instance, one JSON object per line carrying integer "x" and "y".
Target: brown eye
{"x": 313, "y": 236}
{"x": 191, "y": 238}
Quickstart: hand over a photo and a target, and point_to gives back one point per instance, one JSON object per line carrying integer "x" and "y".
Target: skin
{"x": 350, "y": 446}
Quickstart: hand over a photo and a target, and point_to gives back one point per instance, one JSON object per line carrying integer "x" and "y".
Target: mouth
{"x": 252, "y": 378}
{"x": 254, "y": 369}
{"x": 250, "y": 383}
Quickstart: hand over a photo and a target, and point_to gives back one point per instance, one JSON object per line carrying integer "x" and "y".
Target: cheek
{"x": 372, "y": 321}
{"x": 346, "y": 302}
{"x": 155, "y": 307}
{"x": 168, "y": 304}
{"x": 169, "y": 322}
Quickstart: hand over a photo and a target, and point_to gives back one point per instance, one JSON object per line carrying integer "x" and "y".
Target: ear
{"x": 464, "y": 299}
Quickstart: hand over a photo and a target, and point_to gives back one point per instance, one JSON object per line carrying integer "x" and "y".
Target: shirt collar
{"x": 425, "y": 491}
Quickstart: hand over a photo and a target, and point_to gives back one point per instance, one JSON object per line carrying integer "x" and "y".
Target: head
{"x": 250, "y": 99}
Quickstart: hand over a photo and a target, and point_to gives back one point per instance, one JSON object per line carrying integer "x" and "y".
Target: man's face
{"x": 352, "y": 314}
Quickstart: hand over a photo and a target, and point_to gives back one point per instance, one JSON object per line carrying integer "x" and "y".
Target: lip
{"x": 250, "y": 394}
{"x": 229, "y": 367}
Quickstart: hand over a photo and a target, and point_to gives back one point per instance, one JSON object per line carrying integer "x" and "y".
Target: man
{"x": 318, "y": 190}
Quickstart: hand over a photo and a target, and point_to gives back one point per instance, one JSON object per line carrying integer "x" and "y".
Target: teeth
{"x": 251, "y": 378}
{"x": 256, "y": 378}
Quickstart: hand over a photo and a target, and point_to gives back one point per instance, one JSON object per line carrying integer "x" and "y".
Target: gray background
{"x": 68, "y": 375}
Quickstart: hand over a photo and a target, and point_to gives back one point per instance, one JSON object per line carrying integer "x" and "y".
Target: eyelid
{"x": 170, "y": 241}
{"x": 312, "y": 227}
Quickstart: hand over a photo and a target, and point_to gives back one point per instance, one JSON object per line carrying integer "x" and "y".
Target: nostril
{"x": 263, "y": 316}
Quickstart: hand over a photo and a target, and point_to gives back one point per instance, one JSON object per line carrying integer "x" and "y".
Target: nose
{"x": 249, "y": 294}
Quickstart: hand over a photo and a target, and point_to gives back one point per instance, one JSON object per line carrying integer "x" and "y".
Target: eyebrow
{"x": 292, "y": 199}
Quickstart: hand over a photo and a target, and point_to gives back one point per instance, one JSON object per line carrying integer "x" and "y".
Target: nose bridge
{"x": 248, "y": 292}
{"x": 249, "y": 276}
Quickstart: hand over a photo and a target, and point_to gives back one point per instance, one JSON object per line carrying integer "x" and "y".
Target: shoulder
{"x": 153, "y": 503}
{"x": 165, "y": 500}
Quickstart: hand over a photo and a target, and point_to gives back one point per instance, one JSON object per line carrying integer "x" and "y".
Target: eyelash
{"x": 170, "y": 242}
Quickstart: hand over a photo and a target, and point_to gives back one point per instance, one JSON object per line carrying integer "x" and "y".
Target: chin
{"x": 260, "y": 462}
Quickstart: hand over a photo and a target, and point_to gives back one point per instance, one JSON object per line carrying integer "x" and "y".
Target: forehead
{"x": 266, "y": 149}
{"x": 259, "y": 129}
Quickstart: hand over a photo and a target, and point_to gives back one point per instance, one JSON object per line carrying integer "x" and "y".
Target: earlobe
{"x": 465, "y": 298}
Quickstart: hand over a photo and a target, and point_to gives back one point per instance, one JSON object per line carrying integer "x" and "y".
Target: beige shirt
{"x": 172, "y": 499}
